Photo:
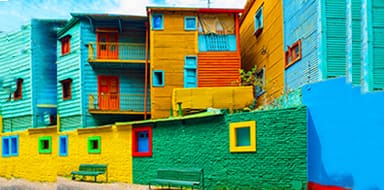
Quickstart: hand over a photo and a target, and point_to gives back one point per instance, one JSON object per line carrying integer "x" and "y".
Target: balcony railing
{"x": 217, "y": 42}
{"x": 116, "y": 52}
{"x": 117, "y": 103}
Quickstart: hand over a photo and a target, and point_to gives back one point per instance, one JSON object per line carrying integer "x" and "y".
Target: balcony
{"x": 116, "y": 52}
{"x": 132, "y": 104}
{"x": 217, "y": 42}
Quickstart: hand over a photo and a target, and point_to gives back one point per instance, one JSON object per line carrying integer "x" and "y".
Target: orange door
{"x": 107, "y": 45}
{"x": 109, "y": 98}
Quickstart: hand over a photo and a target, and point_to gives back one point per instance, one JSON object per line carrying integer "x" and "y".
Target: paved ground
{"x": 64, "y": 184}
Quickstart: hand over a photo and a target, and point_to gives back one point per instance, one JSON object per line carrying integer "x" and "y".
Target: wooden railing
{"x": 116, "y": 51}
{"x": 117, "y": 103}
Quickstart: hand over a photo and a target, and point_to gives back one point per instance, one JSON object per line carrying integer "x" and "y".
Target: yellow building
{"x": 262, "y": 45}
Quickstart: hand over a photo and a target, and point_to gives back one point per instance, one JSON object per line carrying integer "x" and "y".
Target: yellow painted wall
{"x": 115, "y": 151}
{"x": 29, "y": 164}
{"x": 217, "y": 97}
{"x": 271, "y": 40}
{"x": 168, "y": 49}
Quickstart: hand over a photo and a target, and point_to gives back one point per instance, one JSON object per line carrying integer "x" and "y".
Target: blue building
{"x": 28, "y": 75}
{"x": 101, "y": 78}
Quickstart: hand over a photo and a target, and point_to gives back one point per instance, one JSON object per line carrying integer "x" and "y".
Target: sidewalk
{"x": 64, "y": 184}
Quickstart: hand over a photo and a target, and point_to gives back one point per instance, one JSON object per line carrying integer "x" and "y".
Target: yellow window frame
{"x": 232, "y": 136}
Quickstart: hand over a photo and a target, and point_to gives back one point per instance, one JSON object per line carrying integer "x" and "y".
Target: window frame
{"x": 190, "y": 67}
{"x": 161, "y": 27}
{"x": 258, "y": 18}
{"x": 64, "y": 90}
{"x": 262, "y": 91}
{"x": 91, "y": 150}
{"x": 18, "y": 94}
{"x": 154, "y": 76}
{"x": 186, "y": 23}
{"x": 43, "y": 150}
{"x": 289, "y": 61}
{"x": 135, "y": 143}
{"x": 66, "y": 145}
{"x": 233, "y": 148}
{"x": 65, "y": 45}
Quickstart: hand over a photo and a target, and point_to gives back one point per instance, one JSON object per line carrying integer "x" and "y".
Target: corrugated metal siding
{"x": 168, "y": 50}
{"x": 301, "y": 22}
{"x": 378, "y": 44}
{"x": 218, "y": 69}
{"x": 69, "y": 123}
{"x": 336, "y": 38}
{"x": 68, "y": 66}
{"x": 270, "y": 41}
{"x": 17, "y": 123}
{"x": 356, "y": 42}
{"x": 16, "y": 63}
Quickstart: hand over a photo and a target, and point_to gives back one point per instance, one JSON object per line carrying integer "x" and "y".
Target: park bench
{"x": 179, "y": 178}
{"x": 91, "y": 170}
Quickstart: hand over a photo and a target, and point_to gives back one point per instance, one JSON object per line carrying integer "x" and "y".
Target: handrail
{"x": 116, "y": 102}
{"x": 116, "y": 51}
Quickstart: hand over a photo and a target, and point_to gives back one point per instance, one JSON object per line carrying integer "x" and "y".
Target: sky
{"x": 15, "y": 13}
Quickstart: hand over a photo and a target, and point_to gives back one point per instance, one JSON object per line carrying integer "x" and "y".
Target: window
{"x": 10, "y": 146}
{"x": 63, "y": 145}
{"x": 157, "y": 22}
{"x": 94, "y": 145}
{"x": 67, "y": 89}
{"x": 259, "y": 21}
{"x": 260, "y": 82}
{"x": 65, "y": 45}
{"x": 293, "y": 54}
{"x": 18, "y": 94}
{"x": 190, "y": 23}
{"x": 142, "y": 141}
{"x": 158, "y": 78}
{"x": 45, "y": 145}
{"x": 242, "y": 136}
{"x": 190, "y": 75}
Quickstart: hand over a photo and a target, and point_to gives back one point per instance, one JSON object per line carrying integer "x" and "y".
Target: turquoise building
{"x": 101, "y": 78}
{"x": 28, "y": 75}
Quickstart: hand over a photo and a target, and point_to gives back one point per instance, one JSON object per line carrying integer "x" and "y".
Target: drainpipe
{"x": 146, "y": 70}
{"x": 179, "y": 110}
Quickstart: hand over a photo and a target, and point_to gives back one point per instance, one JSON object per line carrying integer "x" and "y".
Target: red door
{"x": 109, "y": 98}
{"x": 107, "y": 45}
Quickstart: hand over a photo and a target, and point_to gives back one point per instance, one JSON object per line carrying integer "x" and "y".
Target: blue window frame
{"x": 190, "y": 72}
{"x": 259, "y": 21}
{"x": 63, "y": 145}
{"x": 157, "y": 22}
{"x": 190, "y": 23}
{"x": 158, "y": 78}
{"x": 10, "y": 146}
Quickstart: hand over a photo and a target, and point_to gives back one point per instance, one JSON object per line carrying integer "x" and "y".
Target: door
{"x": 107, "y": 45}
{"x": 109, "y": 97}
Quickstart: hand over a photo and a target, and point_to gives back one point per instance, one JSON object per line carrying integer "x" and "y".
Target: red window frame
{"x": 65, "y": 45}
{"x": 18, "y": 94}
{"x": 67, "y": 89}
{"x": 135, "y": 142}
{"x": 291, "y": 56}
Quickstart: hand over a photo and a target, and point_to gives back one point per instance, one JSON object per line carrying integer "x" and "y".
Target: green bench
{"x": 91, "y": 170}
{"x": 179, "y": 178}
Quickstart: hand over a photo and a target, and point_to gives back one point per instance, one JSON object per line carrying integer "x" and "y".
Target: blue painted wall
{"x": 345, "y": 127}
{"x": 301, "y": 21}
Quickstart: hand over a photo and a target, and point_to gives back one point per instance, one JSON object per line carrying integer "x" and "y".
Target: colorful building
{"x": 101, "y": 77}
{"x": 28, "y": 76}
{"x": 191, "y": 47}
{"x": 261, "y": 32}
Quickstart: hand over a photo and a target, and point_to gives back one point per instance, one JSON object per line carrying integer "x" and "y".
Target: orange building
{"x": 191, "y": 47}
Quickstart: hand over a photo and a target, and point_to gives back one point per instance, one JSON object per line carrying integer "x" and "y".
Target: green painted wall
{"x": 279, "y": 162}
